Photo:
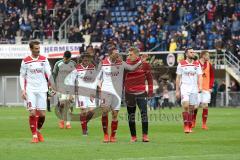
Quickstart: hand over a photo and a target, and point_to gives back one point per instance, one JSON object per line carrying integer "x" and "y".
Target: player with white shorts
{"x": 204, "y": 97}
{"x": 36, "y": 100}
{"x": 188, "y": 85}
{"x": 111, "y": 73}
{"x": 207, "y": 84}
{"x": 34, "y": 72}
{"x": 84, "y": 78}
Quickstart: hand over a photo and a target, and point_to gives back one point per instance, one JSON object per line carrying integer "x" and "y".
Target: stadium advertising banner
{"x": 14, "y": 51}
{"x": 48, "y": 50}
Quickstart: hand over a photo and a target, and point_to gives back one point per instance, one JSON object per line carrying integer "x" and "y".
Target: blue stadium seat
{"x": 210, "y": 37}
{"x": 149, "y": 2}
{"x": 117, "y": 14}
{"x": 113, "y": 19}
{"x": 117, "y": 8}
{"x": 125, "y": 19}
{"x": 112, "y": 13}
{"x": 120, "y": 23}
{"x": 120, "y": 3}
{"x": 210, "y": 44}
{"x": 129, "y": 13}
{"x": 122, "y": 8}
{"x": 119, "y": 19}
{"x": 124, "y": 13}
{"x": 130, "y": 19}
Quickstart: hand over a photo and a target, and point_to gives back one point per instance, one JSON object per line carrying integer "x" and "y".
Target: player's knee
{"x": 204, "y": 105}
{"x": 185, "y": 108}
{"x": 32, "y": 112}
{"x": 42, "y": 113}
{"x": 114, "y": 115}
{"x": 104, "y": 108}
{"x": 83, "y": 112}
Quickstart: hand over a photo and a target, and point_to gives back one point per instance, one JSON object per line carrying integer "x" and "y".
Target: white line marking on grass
{"x": 178, "y": 157}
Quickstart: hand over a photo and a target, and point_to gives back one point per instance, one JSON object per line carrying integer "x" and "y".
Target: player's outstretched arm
{"x": 131, "y": 67}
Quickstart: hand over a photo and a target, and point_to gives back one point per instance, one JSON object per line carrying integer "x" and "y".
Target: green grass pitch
{"x": 167, "y": 140}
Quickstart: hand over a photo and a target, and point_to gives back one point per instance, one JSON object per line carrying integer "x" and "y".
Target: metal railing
{"x": 227, "y": 59}
{"x": 73, "y": 19}
{"x": 233, "y": 62}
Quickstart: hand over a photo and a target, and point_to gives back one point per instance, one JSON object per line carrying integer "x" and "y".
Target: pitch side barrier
{"x": 170, "y": 59}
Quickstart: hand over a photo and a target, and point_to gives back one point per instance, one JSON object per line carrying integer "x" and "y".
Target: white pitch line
{"x": 177, "y": 157}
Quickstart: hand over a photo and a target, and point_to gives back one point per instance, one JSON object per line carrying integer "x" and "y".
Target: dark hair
{"x": 187, "y": 49}
{"x": 67, "y": 54}
{"x": 33, "y": 43}
{"x": 85, "y": 54}
{"x": 111, "y": 48}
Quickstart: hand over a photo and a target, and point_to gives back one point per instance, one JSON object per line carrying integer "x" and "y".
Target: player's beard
{"x": 133, "y": 59}
{"x": 113, "y": 57}
{"x": 85, "y": 64}
{"x": 191, "y": 57}
{"x": 36, "y": 53}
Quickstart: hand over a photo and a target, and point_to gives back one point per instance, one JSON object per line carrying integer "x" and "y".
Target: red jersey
{"x": 135, "y": 80}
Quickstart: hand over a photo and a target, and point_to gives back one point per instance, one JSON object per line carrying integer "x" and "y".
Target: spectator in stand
{"x": 222, "y": 87}
{"x": 173, "y": 46}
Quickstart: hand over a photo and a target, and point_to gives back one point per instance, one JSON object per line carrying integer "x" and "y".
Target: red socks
{"x": 185, "y": 118}
{"x": 41, "y": 120}
{"x": 204, "y": 115}
{"x": 33, "y": 124}
{"x": 83, "y": 120}
{"x": 114, "y": 126}
{"x": 105, "y": 124}
{"x": 195, "y": 115}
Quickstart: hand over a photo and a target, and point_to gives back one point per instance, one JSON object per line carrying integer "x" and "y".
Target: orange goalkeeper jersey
{"x": 208, "y": 76}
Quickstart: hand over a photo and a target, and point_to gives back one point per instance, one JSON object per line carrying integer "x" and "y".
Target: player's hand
{"x": 92, "y": 97}
{"x": 52, "y": 88}
{"x": 71, "y": 98}
{"x": 177, "y": 94}
{"x": 144, "y": 57}
{"x": 51, "y": 92}
{"x": 150, "y": 95}
{"x": 24, "y": 95}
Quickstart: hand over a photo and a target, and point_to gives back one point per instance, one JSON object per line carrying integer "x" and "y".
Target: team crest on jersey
{"x": 42, "y": 64}
{"x": 195, "y": 68}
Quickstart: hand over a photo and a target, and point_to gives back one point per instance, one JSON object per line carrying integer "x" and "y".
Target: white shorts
{"x": 85, "y": 102}
{"x": 204, "y": 97}
{"x": 36, "y": 100}
{"x": 110, "y": 100}
{"x": 192, "y": 98}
